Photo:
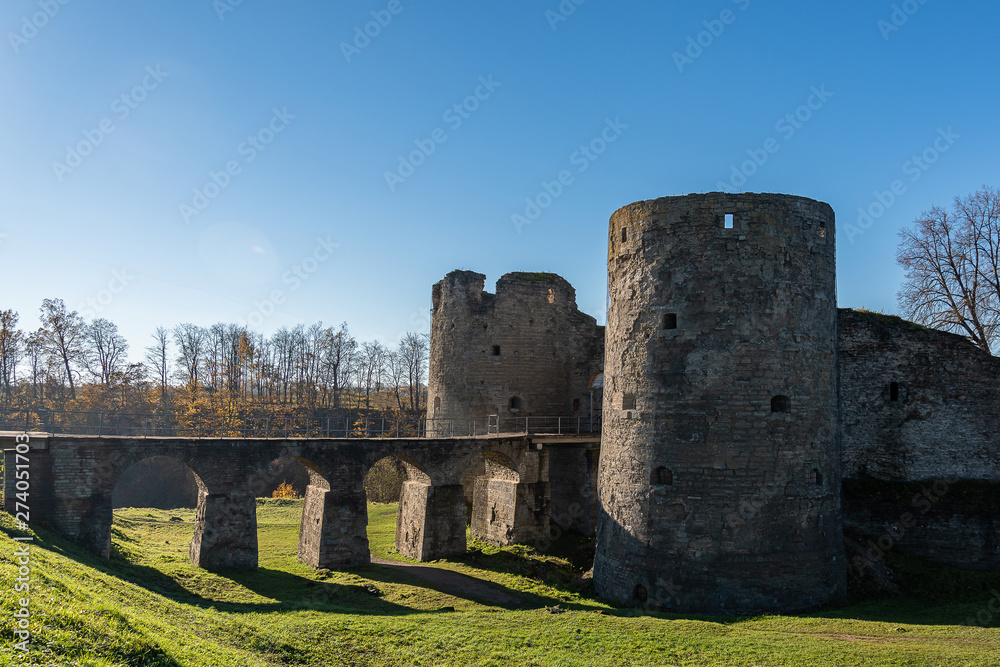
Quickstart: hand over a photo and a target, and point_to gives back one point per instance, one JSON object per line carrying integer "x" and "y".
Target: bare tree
{"x": 373, "y": 368}
{"x": 11, "y": 351}
{"x": 413, "y": 350}
{"x": 190, "y": 341}
{"x": 952, "y": 262}
{"x": 34, "y": 352}
{"x": 64, "y": 334}
{"x": 105, "y": 351}
{"x": 158, "y": 359}
{"x": 397, "y": 375}
{"x": 338, "y": 359}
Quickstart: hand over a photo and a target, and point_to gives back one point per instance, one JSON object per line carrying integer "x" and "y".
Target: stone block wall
{"x": 921, "y": 434}
{"x": 74, "y": 477}
{"x": 720, "y": 467}
{"x": 918, "y": 404}
{"x": 524, "y": 351}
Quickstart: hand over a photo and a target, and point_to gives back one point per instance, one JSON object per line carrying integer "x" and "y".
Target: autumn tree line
{"x": 191, "y": 374}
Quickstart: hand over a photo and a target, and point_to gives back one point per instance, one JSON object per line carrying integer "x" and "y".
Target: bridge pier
{"x": 510, "y": 505}
{"x": 431, "y": 521}
{"x": 225, "y": 531}
{"x": 334, "y": 531}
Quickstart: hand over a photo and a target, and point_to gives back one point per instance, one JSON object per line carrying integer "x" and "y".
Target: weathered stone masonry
{"x": 720, "y": 464}
{"x": 73, "y": 480}
{"x": 525, "y": 350}
{"x": 724, "y": 444}
{"x": 521, "y": 352}
{"x": 921, "y": 434}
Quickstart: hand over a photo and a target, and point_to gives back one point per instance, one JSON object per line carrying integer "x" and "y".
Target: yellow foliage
{"x": 284, "y": 490}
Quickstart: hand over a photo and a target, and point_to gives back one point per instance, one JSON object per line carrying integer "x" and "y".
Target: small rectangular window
{"x": 496, "y": 350}
{"x": 729, "y": 220}
{"x": 670, "y": 320}
{"x": 822, "y": 229}
{"x": 628, "y": 402}
{"x": 624, "y": 235}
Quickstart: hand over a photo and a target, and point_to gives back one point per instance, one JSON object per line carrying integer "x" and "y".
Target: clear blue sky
{"x": 199, "y": 78}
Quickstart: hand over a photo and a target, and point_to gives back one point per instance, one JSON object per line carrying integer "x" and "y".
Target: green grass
{"x": 148, "y": 606}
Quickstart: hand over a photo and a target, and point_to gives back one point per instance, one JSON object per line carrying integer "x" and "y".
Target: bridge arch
{"x": 139, "y": 468}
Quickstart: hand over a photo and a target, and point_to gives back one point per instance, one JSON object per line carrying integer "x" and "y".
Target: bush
{"x": 284, "y": 490}
{"x": 384, "y": 481}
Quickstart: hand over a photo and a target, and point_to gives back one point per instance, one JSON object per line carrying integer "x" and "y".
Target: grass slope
{"x": 148, "y": 606}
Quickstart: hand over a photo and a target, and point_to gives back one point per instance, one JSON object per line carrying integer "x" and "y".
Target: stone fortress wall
{"x": 747, "y": 422}
{"x": 496, "y": 359}
{"x": 525, "y": 350}
{"x": 921, "y": 432}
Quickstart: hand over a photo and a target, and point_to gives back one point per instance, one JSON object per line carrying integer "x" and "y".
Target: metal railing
{"x": 68, "y": 422}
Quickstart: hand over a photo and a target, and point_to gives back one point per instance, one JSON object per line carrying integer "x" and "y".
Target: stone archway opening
{"x": 384, "y": 480}
{"x": 159, "y": 482}
{"x": 383, "y": 486}
{"x": 154, "y": 501}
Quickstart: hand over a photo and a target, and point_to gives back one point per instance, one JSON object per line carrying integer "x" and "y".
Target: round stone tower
{"x": 720, "y": 456}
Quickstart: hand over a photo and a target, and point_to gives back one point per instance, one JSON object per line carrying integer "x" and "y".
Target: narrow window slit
{"x": 662, "y": 477}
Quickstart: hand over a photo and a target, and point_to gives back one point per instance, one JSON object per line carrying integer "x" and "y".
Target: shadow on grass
{"x": 456, "y": 584}
{"x": 932, "y": 594}
{"x": 299, "y": 593}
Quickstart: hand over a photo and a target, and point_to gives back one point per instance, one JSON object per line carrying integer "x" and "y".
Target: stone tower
{"x": 524, "y": 351}
{"x": 720, "y": 460}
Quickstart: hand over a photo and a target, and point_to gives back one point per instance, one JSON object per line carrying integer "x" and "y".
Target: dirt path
{"x": 453, "y": 583}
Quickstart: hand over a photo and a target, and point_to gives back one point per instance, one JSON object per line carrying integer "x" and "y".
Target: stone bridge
{"x": 72, "y": 481}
